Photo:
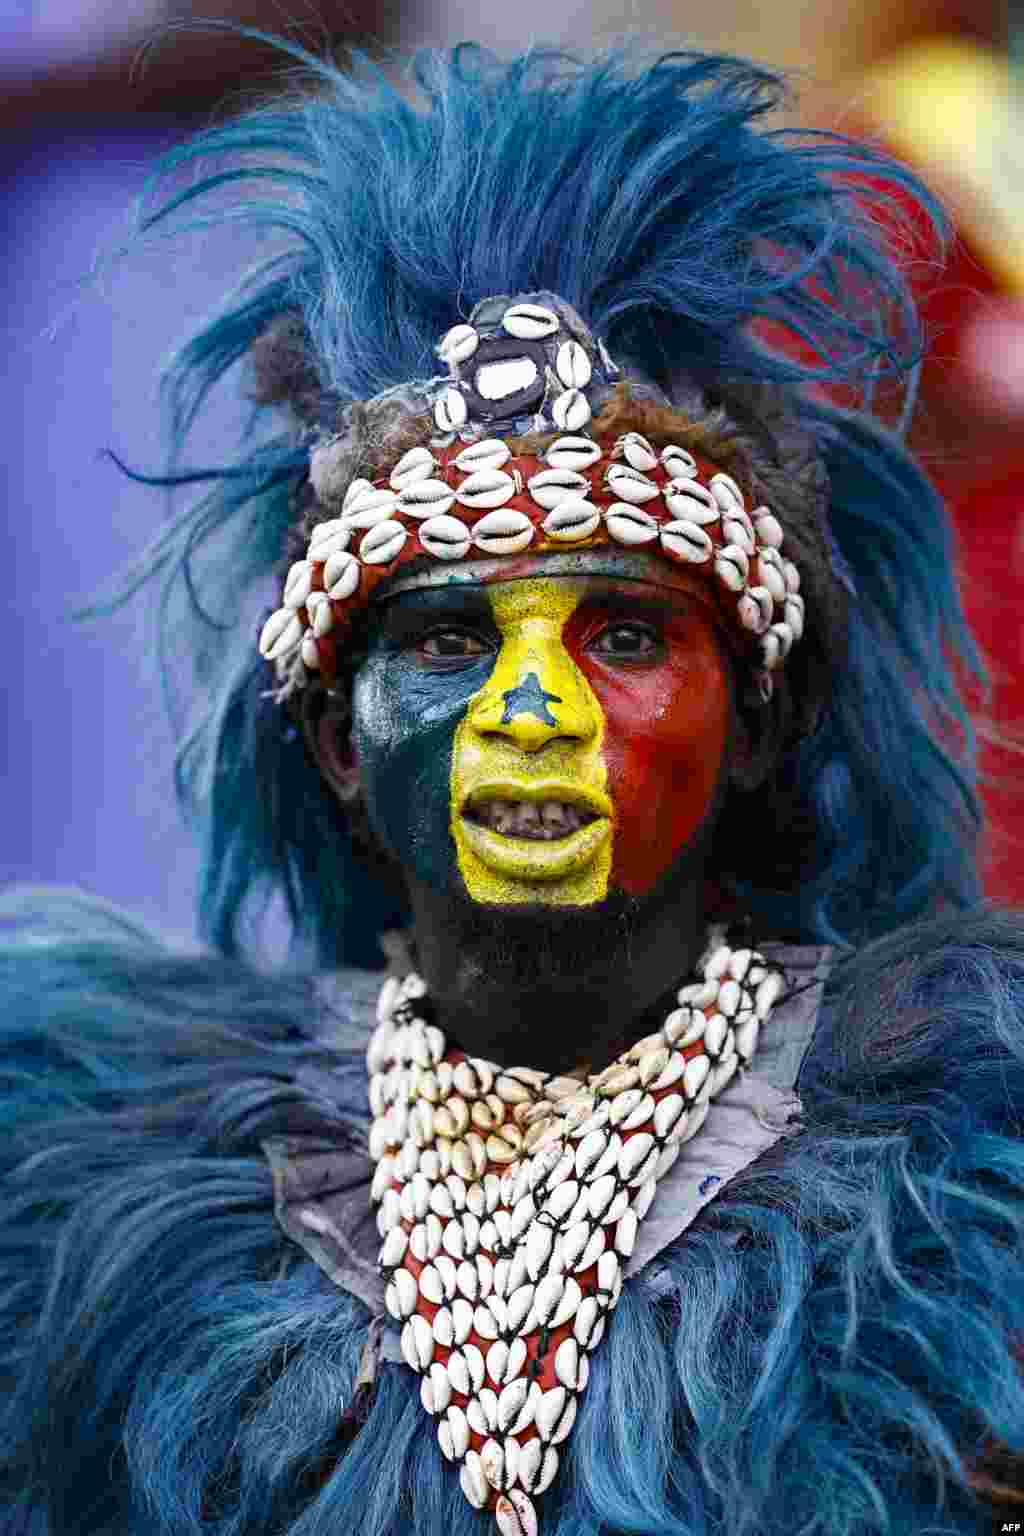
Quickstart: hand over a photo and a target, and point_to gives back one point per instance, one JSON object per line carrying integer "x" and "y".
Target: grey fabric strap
{"x": 322, "y": 1191}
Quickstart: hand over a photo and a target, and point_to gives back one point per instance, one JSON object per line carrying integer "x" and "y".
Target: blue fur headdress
{"x": 657, "y": 201}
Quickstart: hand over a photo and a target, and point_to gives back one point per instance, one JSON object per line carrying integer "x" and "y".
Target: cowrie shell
{"x": 574, "y": 519}
{"x": 551, "y": 486}
{"x": 381, "y": 544}
{"x": 458, "y": 1427}
{"x": 514, "y": 1514}
{"x": 369, "y": 506}
{"x": 606, "y": 1200}
{"x": 562, "y": 1199}
{"x": 298, "y": 584}
{"x": 746, "y": 1038}
{"x": 417, "y": 1343}
{"x": 770, "y": 576}
{"x": 458, "y": 344}
{"x": 488, "y": 453}
{"x": 589, "y": 1151}
{"x": 634, "y": 1153}
{"x": 519, "y": 1304}
{"x": 629, "y": 524}
{"x": 732, "y": 566}
{"x": 588, "y": 1326}
{"x": 724, "y": 1073}
{"x": 309, "y": 652}
{"x": 771, "y": 651}
{"x": 357, "y": 488}
{"x": 644, "y": 1198}
{"x": 784, "y": 635}
{"x": 463, "y": 1319}
{"x": 667, "y": 1113}
{"x": 281, "y": 634}
{"x": 393, "y": 1250}
{"x": 694, "y": 1120}
{"x": 327, "y": 538}
{"x": 630, "y": 485}
{"x": 504, "y": 532}
{"x": 793, "y": 611}
{"x": 637, "y": 452}
{"x": 538, "y": 1465}
{"x": 644, "y": 1110}
{"x": 515, "y": 1411}
{"x": 686, "y": 541}
{"x": 767, "y": 527}
{"x": 441, "y": 1386}
{"x": 691, "y": 500}
{"x": 573, "y": 365}
{"x": 737, "y": 529}
{"x": 679, "y": 463}
{"x": 625, "y": 1233}
{"x": 426, "y": 498}
{"x": 473, "y": 1481}
{"x": 573, "y": 453}
{"x": 694, "y": 1075}
{"x": 792, "y": 576}
{"x": 529, "y": 322}
{"x": 554, "y": 1413}
{"x": 571, "y": 410}
{"x": 755, "y": 609}
{"x": 725, "y": 490}
{"x": 450, "y": 410}
{"x": 499, "y": 1462}
{"x": 417, "y": 464}
{"x": 444, "y": 1327}
{"x": 318, "y": 606}
{"x": 400, "y": 1296}
{"x": 486, "y": 488}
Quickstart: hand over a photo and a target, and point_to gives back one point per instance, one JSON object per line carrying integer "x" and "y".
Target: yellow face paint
{"x": 534, "y": 731}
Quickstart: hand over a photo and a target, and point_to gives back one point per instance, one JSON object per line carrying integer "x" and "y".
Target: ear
{"x": 330, "y": 743}
{"x": 759, "y": 727}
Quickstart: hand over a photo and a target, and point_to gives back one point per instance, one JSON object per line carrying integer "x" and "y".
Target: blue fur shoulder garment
{"x": 826, "y": 1351}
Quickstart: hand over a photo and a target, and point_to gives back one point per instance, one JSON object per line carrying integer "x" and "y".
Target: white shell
{"x": 571, "y": 410}
{"x": 450, "y": 410}
{"x": 444, "y": 1327}
{"x": 417, "y": 464}
{"x": 298, "y": 584}
{"x": 784, "y": 635}
{"x": 321, "y": 614}
{"x": 589, "y": 1151}
{"x": 514, "y": 1411}
{"x": 529, "y": 322}
{"x": 571, "y": 1367}
{"x": 281, "y": 634}
{"x": 644, "y": 1197}
{"x": 515, "y": 1515}
{"x": 630, "y": 485}
{"x": 504, "y": 532}
{"x": 738, "y": 529}
{"x": 537, "y": 1465}
{"x": 393, "y": 1251}
{"x": 746, "y": 1037}
{"x": 732, "y": 566}
{"x": 625, "y": 1233}
{"x": 633, "y": 1154}
{"x": 792, "y": 576}
{"x": 667, "y": 1113}
{"x": 725, "y": 490}
{"x": 369, "y": 506}
{"x": 793, "y": 612}
{"x": 686, "y": 541}
{"x": 588, "y": 1326}
{"x": 327, "y": 538}
{"x": 690, "y": 499}
{"x": 573, "y": 453}
{"x": 629, "y": 524}
{"x": 519, "y": 1305}
{"x": 573, "y": 365}
{"x": 488, "y": 453}
{"x": 486, "y": 488}
{"x": 418, "y": 1343}
{"x": 678, "y": 462}
{"x": 637, "y": 452}
{"x": 463, "y": 1317}
{"x": 694, "y": 1075}
{"x": 310, "y": 654}
{"x": 441, "y": 1387}
{"x": 458, "y": 344}
{"x": 767, "y": 527}
{"x": 401, "y": 1294}
{"x": 474, "y": 1483}
{"x": 755, "y": 609}
{"x": 355, "y": 489}
{"x": 552, "y": 486}
{"x": 426, "y": 498}
{"x": 381, "y": 544}
{"x": 561, "y": 1200}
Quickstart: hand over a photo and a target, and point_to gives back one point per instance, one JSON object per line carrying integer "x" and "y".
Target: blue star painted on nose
{"x": 529, "y": 698}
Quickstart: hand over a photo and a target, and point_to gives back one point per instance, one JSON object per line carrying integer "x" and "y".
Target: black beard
{"x": 557, "y": 988}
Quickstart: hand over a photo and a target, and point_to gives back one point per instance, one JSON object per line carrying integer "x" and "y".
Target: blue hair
{"x": 825, "y": 1351}
{"x": 653, "y": 198}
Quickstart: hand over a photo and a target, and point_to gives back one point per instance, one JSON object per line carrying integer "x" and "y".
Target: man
{"x": 613, "y": 667}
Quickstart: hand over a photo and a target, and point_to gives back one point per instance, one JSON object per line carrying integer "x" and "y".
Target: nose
{"x": 535, "y": 694}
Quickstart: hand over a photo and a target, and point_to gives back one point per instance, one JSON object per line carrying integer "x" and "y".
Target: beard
{"x": 557, "y": 988}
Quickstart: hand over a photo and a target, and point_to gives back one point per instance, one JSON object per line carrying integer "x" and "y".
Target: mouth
{"x": 540, "y": 831}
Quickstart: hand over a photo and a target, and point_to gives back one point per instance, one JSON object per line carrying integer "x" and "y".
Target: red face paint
{"x": 666, "y": 719}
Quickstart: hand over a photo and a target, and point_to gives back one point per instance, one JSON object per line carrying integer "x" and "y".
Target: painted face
{"x": 546, "y": 739}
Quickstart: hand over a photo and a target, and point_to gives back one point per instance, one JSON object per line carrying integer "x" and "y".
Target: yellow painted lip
{"x": 536, "y": 791}
{"x": 528, "y": 858}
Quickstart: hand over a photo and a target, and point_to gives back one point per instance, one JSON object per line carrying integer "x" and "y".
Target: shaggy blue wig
{"x": 825, "y": 1352}
{"x": 653, "y": 199}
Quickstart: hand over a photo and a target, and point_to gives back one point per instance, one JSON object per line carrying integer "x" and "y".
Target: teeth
{"x": 549, "y": 820}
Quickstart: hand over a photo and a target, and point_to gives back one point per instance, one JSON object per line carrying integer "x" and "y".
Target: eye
{"x": 629, "y": 642}
{"x": 453, "y": 644}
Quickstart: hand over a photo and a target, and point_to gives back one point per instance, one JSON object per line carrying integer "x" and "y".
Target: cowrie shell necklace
{"x": 509, "y": 1199}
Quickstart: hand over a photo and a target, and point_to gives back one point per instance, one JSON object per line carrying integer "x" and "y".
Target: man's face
{"x": 543, "y": 754}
